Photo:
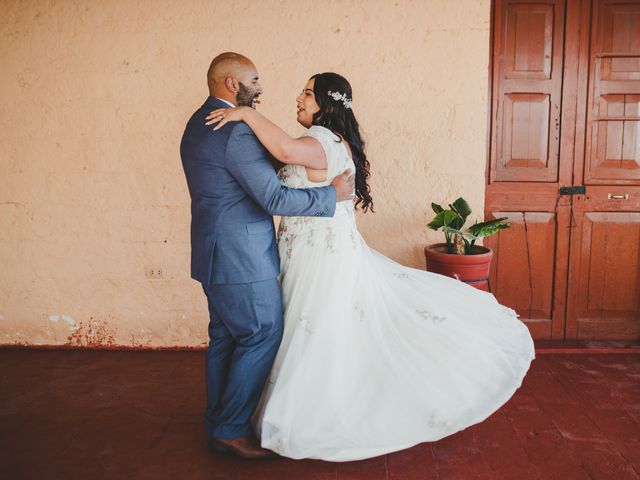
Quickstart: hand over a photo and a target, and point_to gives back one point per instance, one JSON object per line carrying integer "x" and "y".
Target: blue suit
{"x": 234, "y": 193}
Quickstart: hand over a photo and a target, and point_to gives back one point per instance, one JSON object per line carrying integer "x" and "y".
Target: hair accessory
{"x": 337, "y": 96}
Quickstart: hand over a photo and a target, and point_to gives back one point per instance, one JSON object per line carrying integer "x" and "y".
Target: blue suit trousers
{"x": 245, "y": 331}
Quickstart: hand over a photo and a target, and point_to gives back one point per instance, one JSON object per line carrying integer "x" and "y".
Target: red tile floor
{"x": 79, "y": 414}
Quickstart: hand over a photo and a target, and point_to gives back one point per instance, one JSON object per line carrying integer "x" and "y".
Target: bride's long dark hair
{"x": 340, "y": 120}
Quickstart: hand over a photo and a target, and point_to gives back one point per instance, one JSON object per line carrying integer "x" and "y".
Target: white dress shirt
{"x": 224, "y": 101}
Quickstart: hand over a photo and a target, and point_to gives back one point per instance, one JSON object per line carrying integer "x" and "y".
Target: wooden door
{"x": 546, "y": 55}
{"x": 604, "y": 268}
{"x": 526, "y": 166}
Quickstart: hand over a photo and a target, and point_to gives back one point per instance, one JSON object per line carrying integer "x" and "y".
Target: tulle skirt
{"x": 377, "y": 357}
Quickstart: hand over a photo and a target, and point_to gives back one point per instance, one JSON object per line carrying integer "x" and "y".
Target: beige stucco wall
{"x": 94, "y": 98}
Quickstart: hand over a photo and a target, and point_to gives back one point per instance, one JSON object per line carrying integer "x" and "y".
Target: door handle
{"x": 623, "y": 196}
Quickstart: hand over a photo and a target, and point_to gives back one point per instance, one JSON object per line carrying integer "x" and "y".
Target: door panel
{"x": 566, "y": 113}
{"x": 525, "y": 267}
{"x": 528, "y": 62}
{"x": 613, "y": 122}
{"x": 528, "y": 46}
{"x": 604, "y": 271}
{"x": 524, "y": 168}
{"x": 526, "y": 135}
{"x": 606, "y": 276}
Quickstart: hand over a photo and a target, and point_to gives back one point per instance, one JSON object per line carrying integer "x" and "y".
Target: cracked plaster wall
{"x": 94, "y": 100}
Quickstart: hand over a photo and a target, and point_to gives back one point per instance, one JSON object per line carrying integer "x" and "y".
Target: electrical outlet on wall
{"x": 153, "y": 272}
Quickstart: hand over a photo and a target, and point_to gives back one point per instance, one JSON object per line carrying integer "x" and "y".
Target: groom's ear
{"x": 232, "y": 84}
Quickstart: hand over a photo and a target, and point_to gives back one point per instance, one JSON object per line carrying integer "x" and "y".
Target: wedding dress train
{"x": 377, "y": 357}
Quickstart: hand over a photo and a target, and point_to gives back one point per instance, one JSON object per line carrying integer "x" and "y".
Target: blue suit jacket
{"x": 234, "y": 193}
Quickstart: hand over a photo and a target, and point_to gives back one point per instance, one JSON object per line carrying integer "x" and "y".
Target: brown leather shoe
{"x": 245, "y": 447}
{"x": 214, "y": 447}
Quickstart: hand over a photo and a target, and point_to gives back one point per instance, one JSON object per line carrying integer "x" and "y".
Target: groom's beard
{"x": 246, "y": 96}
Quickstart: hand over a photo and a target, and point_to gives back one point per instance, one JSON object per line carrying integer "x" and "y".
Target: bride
{"x": 376, "y": 357}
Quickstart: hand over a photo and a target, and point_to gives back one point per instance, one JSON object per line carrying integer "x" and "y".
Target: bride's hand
{"x": 221, "y": 116}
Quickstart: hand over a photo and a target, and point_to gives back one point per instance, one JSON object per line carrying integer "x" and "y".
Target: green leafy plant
{"x": 452, "y": 220}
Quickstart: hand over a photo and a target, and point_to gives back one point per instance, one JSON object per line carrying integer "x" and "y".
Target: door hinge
{"x": 573, "y": 190}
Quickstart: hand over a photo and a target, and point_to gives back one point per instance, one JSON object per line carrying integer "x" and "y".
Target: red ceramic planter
{"x": 472, "y": 269}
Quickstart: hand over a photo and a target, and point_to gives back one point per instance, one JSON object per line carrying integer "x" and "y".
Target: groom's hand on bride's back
{"x": 344, "y": 185}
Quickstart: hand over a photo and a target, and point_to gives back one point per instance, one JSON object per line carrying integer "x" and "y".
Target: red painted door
{"x": 604, "y": 261}
{"x": 564, "y": 165}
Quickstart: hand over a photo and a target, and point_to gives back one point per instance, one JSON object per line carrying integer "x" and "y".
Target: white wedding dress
{"x": 377, "y": 357}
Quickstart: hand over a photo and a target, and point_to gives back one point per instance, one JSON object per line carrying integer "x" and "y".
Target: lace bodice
{"x": 317, "y": 230}
{"x": 338, "y": 160}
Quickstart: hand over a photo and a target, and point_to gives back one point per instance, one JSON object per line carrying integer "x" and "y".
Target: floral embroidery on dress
{"x": 305, "y": 322}
{"x": 430, "y": 316}
{"x": 284, "y": 238}
{"x": 311, "y": 241}
{"x": 312, "y": 230}
{"x": 360, "y": 311}
{"x": 289, "y": 230}
{"x": 331, "y": 240}
{"x": 301, "y": 221}
{"x": 293, "y": 176}
{"x": 352, "y": 235}
{"x": 401, "y": 275}
{"x": 284, "y": 174}
{"x": 437, "y": 423}
{"x": 279, "y": 446}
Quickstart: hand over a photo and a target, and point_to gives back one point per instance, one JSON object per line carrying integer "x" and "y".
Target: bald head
{"x": 224, "y": 65}
{"x": 230, "y": 75}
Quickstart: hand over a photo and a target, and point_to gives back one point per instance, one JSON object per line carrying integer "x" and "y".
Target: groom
{"x": 234, "y": 193}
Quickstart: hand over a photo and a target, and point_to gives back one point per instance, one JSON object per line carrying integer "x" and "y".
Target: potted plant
{"x": 459, "y": 257}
